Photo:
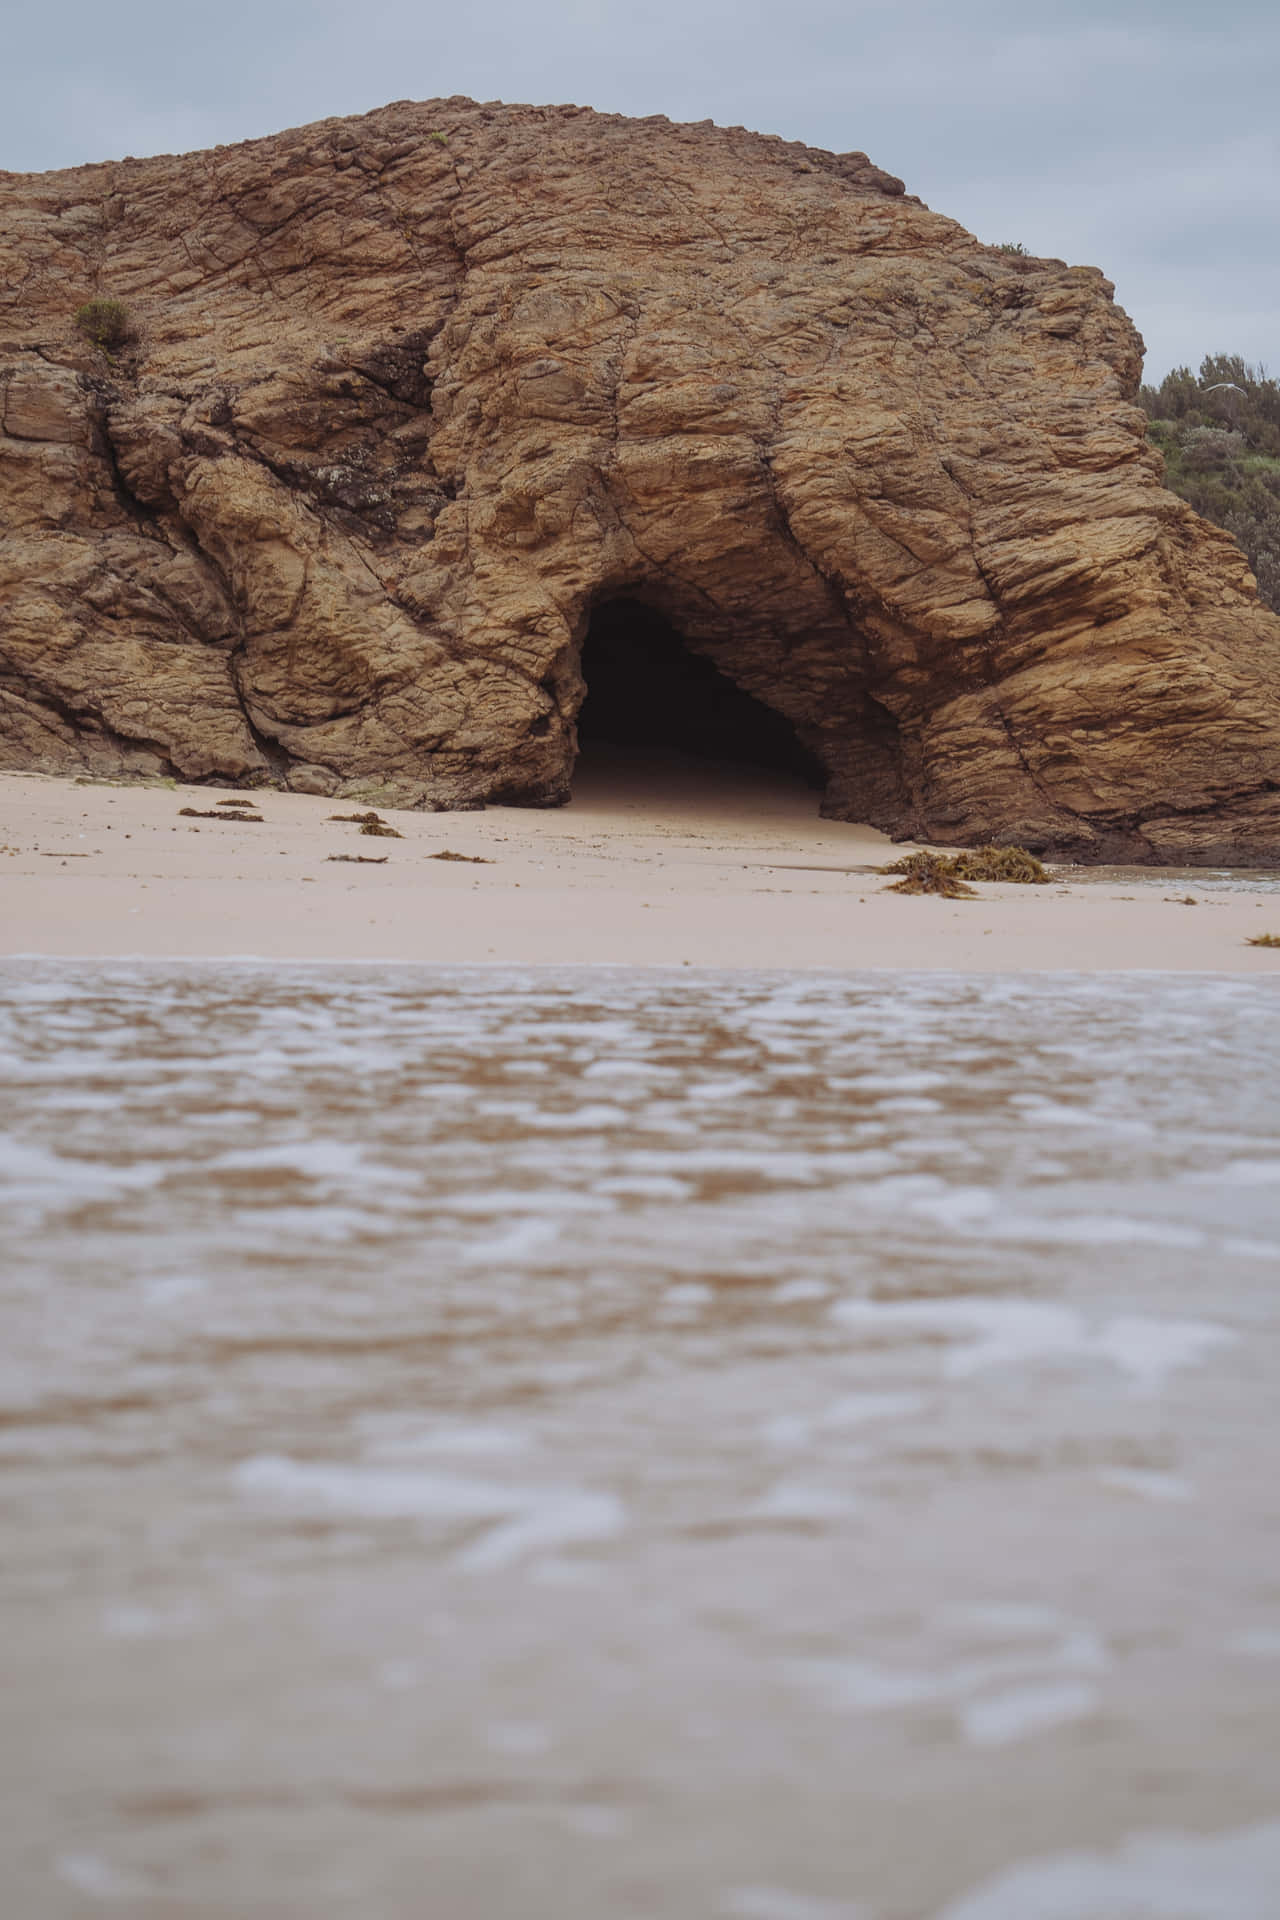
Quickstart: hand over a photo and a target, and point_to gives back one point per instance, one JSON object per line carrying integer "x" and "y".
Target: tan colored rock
{"x": 407, "y": 396}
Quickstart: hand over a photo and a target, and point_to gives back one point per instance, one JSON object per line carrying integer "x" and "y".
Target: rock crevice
{"x": 405, "y": 398}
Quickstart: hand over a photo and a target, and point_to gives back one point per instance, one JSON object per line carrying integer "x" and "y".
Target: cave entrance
{"x": 652, "y": 702}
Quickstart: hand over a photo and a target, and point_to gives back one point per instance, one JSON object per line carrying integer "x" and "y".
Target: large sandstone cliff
{"x": 406, "y": 396}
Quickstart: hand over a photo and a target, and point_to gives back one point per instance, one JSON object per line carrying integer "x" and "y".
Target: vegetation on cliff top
{"x": 1222, "y": 453}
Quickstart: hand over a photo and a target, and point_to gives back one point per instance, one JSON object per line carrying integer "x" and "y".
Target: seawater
{"x": 576, "y": 1444}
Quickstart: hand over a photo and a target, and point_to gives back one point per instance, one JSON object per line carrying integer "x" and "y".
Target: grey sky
{"x": 1139, "y": 135}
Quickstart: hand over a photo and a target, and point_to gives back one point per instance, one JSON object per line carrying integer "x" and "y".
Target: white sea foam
{"x": 522, "y": 1739}
{"x": 529, "y": 1518}
{"x": 1048, "y": 1676}
{"x": 688, "y": 1296}
{"x": 795, "y": 1500}
{"x": 979, "y": 1334}
{"x": 132, "y": 1621}
{"x": 92, "y": 1874}
{"x": 1256, "y": 1643}
{"x": 587, "y": 1119}
{"x": 313, "y": 1159}
{"x": 1145, "y": 1485}
{"x": 405, "y": 1437}
{"x": 1149, "y": 1350}
{"x": 555, "y": 1201}
{"x": 36, "y": 1174}
{"x": 1151, "y": 1876}
{"x": 791, "y": 1292}
{"x": 1023, "y": 1711}
{"x": 858, "y": 1409}
{"x": 923, "y": 1082}
{"x": 781, "y": 1903}
{"x": 1247, "y": 1173}
{"x": 521, "y": 1239}
{"x": 640, "y": 1186}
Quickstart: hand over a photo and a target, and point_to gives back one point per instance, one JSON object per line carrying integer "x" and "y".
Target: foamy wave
{"x": 1152, "y": 1876}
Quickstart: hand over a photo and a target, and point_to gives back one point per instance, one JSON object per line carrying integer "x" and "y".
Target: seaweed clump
{"x": 929, "y": 873}
{"x": 370, "y": 823}
{"x": 947, "y": 873}
{"x": 1263, "y": 940}
{"x": 237, "y": 816}
{"x": 1013, "y": 864}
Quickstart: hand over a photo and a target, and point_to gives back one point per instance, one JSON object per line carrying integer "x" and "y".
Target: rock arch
{"x": 646, "y": 687}
{"x": 418, "y": 391}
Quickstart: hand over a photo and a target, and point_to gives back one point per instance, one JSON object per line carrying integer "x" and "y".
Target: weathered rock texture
{"x": 408, "y": 395}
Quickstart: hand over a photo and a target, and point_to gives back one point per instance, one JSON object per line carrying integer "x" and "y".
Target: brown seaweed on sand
{"x": 928, "y": 873}
{"x": 214, "y": 813}
{"x": 370, "y": 823}
{"x": 947, "y": 874}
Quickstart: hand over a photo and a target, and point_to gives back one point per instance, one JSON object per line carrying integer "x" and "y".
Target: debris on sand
{"x": 946, "y": 873}
{"x": 213, "y": 813}
{"x": 371, "y": 823}
{"x": 1010, "y": 864}
{"x": 472, "y": 859}
{"x": 929, "y": 873}
{"x": 360, "y": 859}
{"x": 1263, "y": 940}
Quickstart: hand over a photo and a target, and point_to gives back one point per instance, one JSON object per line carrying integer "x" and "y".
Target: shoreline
{"x": 652, "y": 864}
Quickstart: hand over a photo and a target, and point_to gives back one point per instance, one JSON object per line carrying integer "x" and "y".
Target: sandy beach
{"x": 652, "y": 863}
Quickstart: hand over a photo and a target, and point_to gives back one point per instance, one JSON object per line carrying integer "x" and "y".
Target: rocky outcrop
{"x": 403, "y": 398}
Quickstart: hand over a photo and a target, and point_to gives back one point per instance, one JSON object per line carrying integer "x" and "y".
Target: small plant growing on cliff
{"x": 1011, "y": 246}
{"x": 105, "y": 322}
{"x": 441, "y": 139}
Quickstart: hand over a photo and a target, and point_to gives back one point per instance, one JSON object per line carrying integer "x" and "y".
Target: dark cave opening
{"x": 648, "y": 691}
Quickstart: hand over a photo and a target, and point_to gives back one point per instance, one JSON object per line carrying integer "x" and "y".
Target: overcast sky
{"x": 1137, "y": 135}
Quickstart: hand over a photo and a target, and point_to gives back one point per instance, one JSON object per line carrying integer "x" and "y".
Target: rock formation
{"x": 402, "y": 399}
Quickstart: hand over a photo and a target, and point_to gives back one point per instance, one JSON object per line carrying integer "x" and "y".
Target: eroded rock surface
{"x": 406, "y": 396}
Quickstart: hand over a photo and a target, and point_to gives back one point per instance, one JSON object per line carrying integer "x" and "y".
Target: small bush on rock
{"x": 105, "y": 322}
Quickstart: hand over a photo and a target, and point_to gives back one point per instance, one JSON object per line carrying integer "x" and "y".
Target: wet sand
{"x": 618, "y": 1444}
{"x": 652, "y": 863}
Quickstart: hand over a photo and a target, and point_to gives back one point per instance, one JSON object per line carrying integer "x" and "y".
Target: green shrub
{"x": 1219, "y": 433}
{"x": 105, "y": 322}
